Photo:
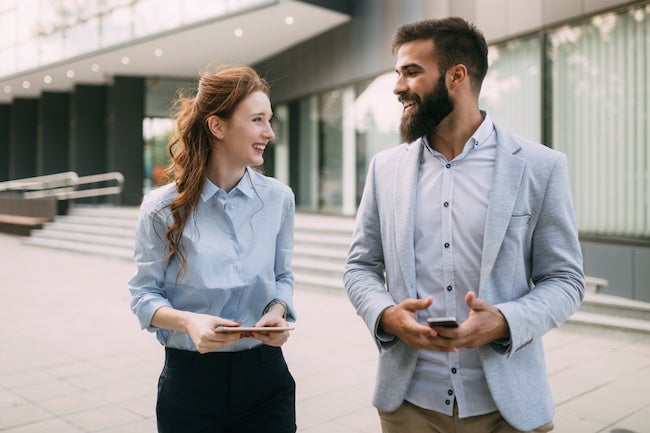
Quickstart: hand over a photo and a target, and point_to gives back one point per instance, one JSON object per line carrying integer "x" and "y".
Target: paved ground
{"x": 74, "y": 360}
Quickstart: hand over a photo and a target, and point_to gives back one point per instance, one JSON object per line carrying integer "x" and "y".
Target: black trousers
{"x": 235, "y": 392}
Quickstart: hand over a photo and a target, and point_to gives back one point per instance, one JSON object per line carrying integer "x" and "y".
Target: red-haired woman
{"x": 213, "y": 249}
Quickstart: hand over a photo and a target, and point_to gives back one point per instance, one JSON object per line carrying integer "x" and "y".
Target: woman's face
{"x": 246, "y": 133}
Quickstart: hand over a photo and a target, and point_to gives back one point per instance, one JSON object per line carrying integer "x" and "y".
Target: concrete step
{"x": 598, "y": 303}
{"x": 612, "y": 314}
{"x": 317, "y": 282}
{"x": 67, "y": 245}
{"x": 102, "y": 236}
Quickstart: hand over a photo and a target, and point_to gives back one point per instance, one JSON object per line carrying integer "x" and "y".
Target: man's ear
{"x": 215, "y": 123}
{"x": 457, "y": 75}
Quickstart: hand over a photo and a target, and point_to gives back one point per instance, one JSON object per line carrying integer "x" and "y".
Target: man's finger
{"x": 417, "y": 304}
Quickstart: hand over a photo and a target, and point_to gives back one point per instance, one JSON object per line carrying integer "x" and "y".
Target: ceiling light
{"x": 158, "y": 52}
{"x": 47, "y": 79}
{"x": 288, "y": 20}
{"x": 239, "y": 33}
{"x": 69, "y": 73}
{"x": 26, "y": 84}
{"x": 7, "y": 89}
{"x": 94, "y": 67}
{"x": 125, "y": 60}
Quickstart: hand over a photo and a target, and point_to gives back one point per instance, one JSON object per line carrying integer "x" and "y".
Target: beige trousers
{"x": 409, "y": 418}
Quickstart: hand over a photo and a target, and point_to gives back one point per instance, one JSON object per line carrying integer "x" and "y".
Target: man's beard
{"x": 427, "y": 114}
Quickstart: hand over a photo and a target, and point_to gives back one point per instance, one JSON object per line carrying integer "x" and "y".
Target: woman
{"x": 213, "y": 250}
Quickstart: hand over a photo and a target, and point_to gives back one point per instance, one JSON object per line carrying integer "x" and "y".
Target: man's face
{"x": 421, "y": 89}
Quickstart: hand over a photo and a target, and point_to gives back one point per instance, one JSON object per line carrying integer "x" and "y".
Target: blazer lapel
{"x": 405, "y": 185}
{"x": 508, "y": 171}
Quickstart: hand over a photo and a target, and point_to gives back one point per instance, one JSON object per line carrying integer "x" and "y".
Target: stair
{"x": 321, "y": 245}
{"x": 612, "y": 314}
{"x": 102, "y": 230}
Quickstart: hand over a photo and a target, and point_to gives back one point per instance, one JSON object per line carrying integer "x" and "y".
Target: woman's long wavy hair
{"x": 190, "y": 148}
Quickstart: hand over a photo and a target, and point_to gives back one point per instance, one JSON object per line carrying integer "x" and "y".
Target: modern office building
{"x": 88, "y": 88}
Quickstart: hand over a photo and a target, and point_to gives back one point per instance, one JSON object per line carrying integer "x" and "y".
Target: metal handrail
{"x": 59, "y": 180}
{"x": 65, "y": 186}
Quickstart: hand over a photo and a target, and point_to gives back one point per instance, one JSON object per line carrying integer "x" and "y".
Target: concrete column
{"x": 88, "y": 130}
{"x": 126, "y": 106}
{"x": 53, "y": 150}
{"x": 22, "y": 138}
{"x": 5, "y": 116}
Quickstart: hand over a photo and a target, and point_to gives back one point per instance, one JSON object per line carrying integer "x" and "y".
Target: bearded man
{"x": 468, "y": 221}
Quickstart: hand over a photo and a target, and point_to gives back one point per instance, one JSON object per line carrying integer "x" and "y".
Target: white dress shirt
{"x": 451, "y": 209}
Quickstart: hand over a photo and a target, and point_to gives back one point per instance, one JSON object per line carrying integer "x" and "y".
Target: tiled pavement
{"x": 73, "y": 359}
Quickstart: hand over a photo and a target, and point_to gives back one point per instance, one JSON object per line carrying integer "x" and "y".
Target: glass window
{"x": 307, "y": 148}
{"x": 199, "y": 10}
{"x": 601, "y": 106}
{"x": 157, "y": 132}
{"x": 116, "y": 26}
{"x": 82, "y": 38}
{"x": 377, "y": 115}
{"x": 512, "y": 89}
{"x": 7, "y": 29}
{"x": 331, "y": 150}
{"x": 150, "y": 18}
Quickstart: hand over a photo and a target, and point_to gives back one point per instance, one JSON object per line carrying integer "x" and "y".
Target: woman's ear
{"x": 215, "y": 123}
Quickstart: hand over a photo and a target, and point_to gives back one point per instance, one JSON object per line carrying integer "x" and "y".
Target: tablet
{"x": 253, "y": 328}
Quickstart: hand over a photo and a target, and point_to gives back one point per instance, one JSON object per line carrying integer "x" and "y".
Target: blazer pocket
{"x": 518, "y": 221}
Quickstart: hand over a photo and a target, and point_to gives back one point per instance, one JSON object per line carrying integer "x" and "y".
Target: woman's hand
{"x": 200, "y": 328}
{"x": 274, "y": 317}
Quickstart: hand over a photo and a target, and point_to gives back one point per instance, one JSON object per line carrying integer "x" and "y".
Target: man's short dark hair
{"x": 455, "y": 41}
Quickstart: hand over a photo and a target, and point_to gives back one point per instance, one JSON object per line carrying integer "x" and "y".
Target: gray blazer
{"x": 531, "y": 268}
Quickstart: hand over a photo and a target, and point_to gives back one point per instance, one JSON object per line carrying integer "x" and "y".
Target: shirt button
{"x": 235, "y": 267}
{"x": 453, "y": 370}
{"x": 450, "y": 392}
{"x": 446, "y": 244}
{"x": 446, "y": 204}
{"x": 447, "y": 165}
{"x": 447, "y": 402}
{"x": 449, "y": 288}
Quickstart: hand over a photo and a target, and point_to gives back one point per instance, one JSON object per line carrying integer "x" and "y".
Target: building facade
{"x": 572, "y": 74}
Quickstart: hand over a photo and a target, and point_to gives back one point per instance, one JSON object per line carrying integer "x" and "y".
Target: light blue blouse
{"x": 238, "y": 248}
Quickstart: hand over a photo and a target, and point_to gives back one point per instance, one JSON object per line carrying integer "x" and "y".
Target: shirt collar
{"x": 481, "y": 134}
{"x": 484, "y": 130}
{"x": 245, "y": 186}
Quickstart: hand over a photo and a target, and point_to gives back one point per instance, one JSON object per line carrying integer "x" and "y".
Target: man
{"x": 468, "y": 220}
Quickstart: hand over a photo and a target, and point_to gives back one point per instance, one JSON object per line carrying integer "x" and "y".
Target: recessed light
{"x": 47, "y": 79}
{"x": 158, "y": 52}
{"x": 94, "y": 67}
{"x": 288, "y": 20}
{"x": 26, "y": 84}
{"x": 69, "y": 73}
{"x": 239, "y": 33}
{"x": 7, "y": 89}
{"x": 125, "y": 60}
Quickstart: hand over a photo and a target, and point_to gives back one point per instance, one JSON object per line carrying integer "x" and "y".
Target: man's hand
{"x": 401, "y": 322}
{"x": 484, "y": 325}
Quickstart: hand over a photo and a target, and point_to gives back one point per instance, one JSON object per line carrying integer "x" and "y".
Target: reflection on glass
{"x": 601, "y": 106}
{"x": 331, "y": 150}
{"x": 82, "y": 38}
{"x": 116, "y": 26}
{"x": 512, "y": 89}
{"x": 156, "y": 133}
{"x": 377, "y": 118}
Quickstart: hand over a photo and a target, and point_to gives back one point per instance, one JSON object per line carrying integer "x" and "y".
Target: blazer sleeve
{"x": 556, "y": 273}
{"x": 364, "y": 269}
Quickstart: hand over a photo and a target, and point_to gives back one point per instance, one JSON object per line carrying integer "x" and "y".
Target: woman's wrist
{"x": 277, "y": 305}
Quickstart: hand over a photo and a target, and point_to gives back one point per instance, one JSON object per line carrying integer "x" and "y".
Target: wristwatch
{"x": 276, "y": 301}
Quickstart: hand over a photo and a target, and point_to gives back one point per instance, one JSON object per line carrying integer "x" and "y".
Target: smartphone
{"x": 442, "y": 322}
